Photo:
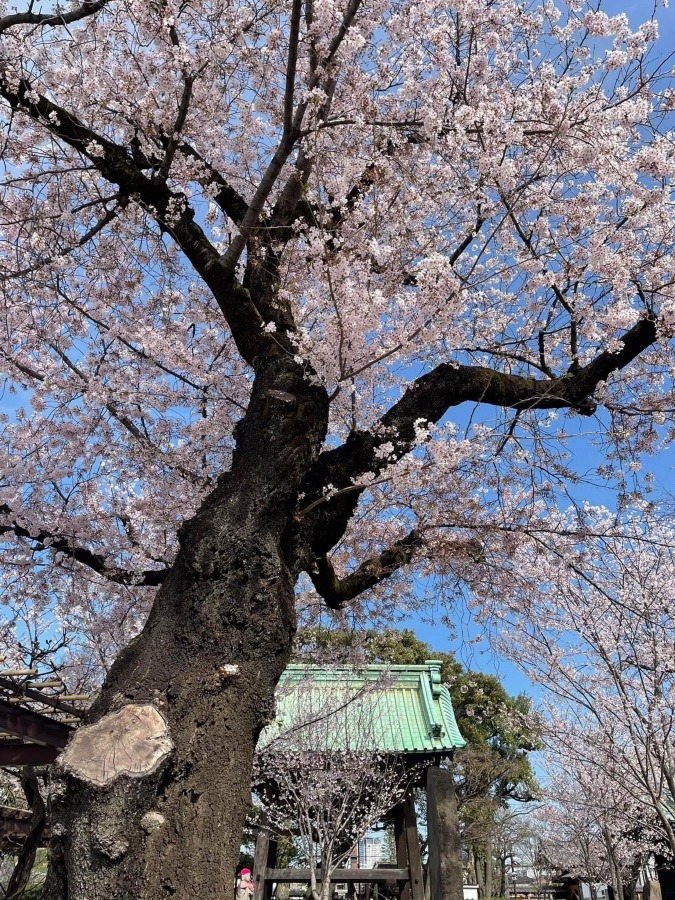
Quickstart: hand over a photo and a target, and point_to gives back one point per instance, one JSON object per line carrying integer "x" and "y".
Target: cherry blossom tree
{"x": 591, "y": 825}
{"x": 324, "y": 776}
{"x": 330, "y": 801}
{"x": 598, "y": 634}
{"x": 252, "y": 256}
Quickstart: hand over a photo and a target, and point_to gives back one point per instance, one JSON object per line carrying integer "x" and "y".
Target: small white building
{"x": 370, "y": 851}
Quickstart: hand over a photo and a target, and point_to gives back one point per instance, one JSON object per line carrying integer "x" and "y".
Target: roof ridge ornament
{"x": 435, "y": 676}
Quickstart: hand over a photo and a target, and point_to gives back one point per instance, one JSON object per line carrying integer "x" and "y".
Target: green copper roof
{"x": 393, "y": 709}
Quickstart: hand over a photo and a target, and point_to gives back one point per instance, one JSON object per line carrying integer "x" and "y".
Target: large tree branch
{"x": 337, "y": 592}
{"x": 427, "y": 399}
{"x": 170, "y": 210}
{"x": 44, "y": 20}
{"x": 46, "y": 540}
{"x": 291, "y": 66}
{"x": 447, "y": 385}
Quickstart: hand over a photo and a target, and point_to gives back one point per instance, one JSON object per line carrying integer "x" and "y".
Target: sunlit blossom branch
{"x": 44, "y": 540}
{"x": 410, "y": 280}
{"x": 425, "y": 402}
{"x": 108, "y": 216}
{"x": 179, "y": 124}
{"x": 115, "y": 412}
{"x": 138, "y": 351}
{"x": 170, "y": 209}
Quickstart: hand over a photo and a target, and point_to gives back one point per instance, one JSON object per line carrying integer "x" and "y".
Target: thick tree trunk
{"x": 488, "y": 866}
{"x": 479, "y": 858}
{"x": 156, "y": 785}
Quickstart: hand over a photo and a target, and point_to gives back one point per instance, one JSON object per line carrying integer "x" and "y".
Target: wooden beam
{"x": 370, "y": 876}
{"x": 413, "y": 843}
{"x": 27, "y": 690}
{"x": 11, "y": 812}
{"x": 270, "y": 864}
{"x": 14, "y": 753}
{"x": 34, "y": 727}
{"x": 15, "y": 826}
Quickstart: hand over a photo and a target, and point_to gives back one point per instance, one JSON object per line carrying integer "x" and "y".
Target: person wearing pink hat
{"x": 245, "y": 885}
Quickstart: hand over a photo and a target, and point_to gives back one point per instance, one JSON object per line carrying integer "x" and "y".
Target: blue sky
{"x": 639, "y": 10}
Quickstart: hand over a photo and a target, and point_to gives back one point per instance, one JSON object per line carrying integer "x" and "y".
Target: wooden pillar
{"x": 666, "y": 876}
{"x": 651, "y": 891}
{"x": 271, "y": 864}
{"x": 445, "y": 863}
{"x": 262, "y": 849}
{"x": 401, "y": 848}
{"x": 413, "y": 846}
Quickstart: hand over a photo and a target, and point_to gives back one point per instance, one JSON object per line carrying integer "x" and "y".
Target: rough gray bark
{"x": 488, "y": 866}
{"x": 445, "y": 865}
{"x": 480, "y": 875}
